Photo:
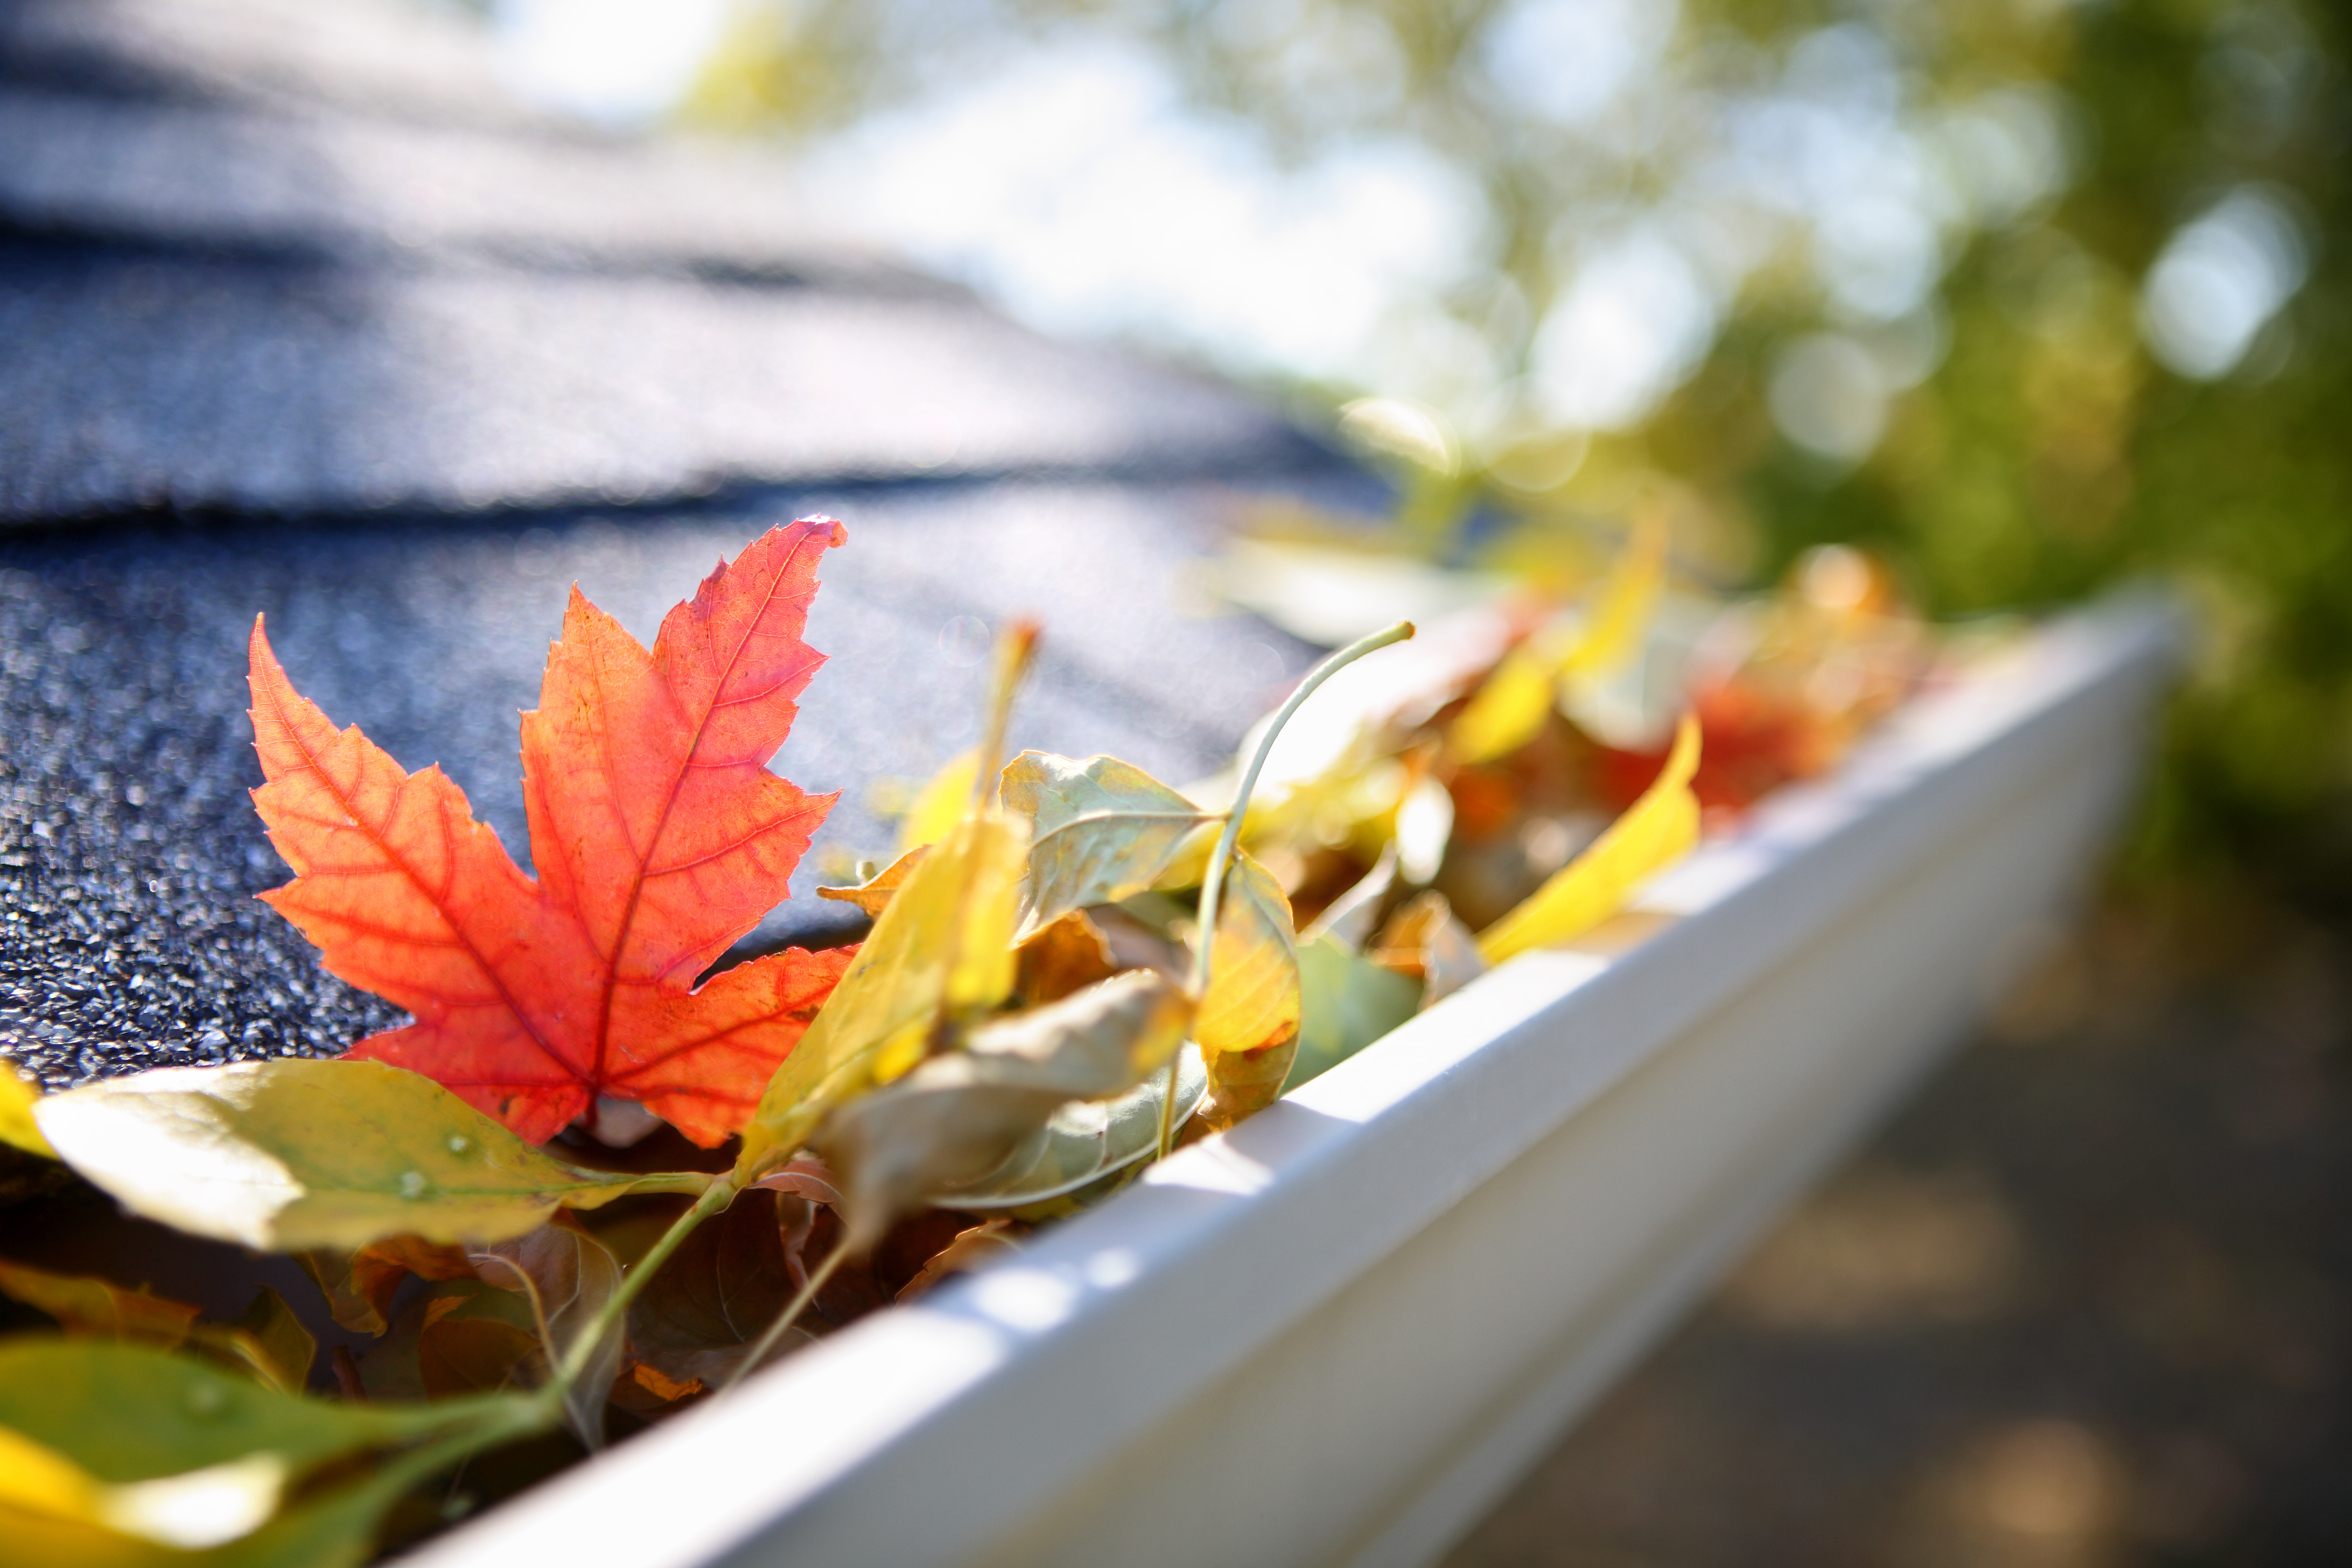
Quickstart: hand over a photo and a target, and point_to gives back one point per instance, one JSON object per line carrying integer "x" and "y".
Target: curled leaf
{"x": 266, "y": 1340}
{"x": 359, "y": 1287}
{"x": 1348, "y": 918}
{"x": 1248, "y": 1022}
{"x": 1101, "y": 830}
{"x": 1658, "y": 830}
{"x": 567, "y": 1275}
{"x": 942, "y": 948}
{"x": 1065, "y": 956}
{"x": 290, "y": 1154}
{"x": 711, "y": 1301}
{"x": 874, "y": 893}
{"x": 1346, "y": 1002}
{"x": 974, "y": 1249}
{"x": 1085, "y": 1141}
{"x": 954, "y": 1119}
{"x": 1425, "y": 942}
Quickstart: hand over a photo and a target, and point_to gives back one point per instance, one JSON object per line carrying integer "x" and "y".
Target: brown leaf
{"x": 358, "y": 1288}
{"x": 1423, "y": 940}
{"x": 717, "y": 1294}
{"x": 567, "y": 1275}
{"x": 975, "y": 1248}
{"x": 475, "y": 1355}
{"x": 86, "y": 1305}
{"x": 1064, "y": 957}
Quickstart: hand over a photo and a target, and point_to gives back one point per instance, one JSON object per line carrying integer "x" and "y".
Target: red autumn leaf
{"x": 659, "y": 836}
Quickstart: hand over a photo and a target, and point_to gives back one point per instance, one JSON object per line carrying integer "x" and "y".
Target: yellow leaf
{"x": 268, "y": 1340}
{"x": 941, "y": 804}
{"x": 84, "y": 1305}
{"x": 1626, "y": 602}
{"x": 874, "y": 894}
{"x": 295, "y": 1154}
{"x": 1656, "y": 831}
{"x": 17, "y": 1093}
{"x": 942, "y": 948}
{"x": 1248, "y": 1022}
{"x": 1510, "y": 708}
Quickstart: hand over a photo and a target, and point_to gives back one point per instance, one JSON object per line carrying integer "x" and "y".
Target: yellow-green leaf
{"x": 1346, "y": 1002}
{"x": 1101, "y": 830}
{"x": 1657, "y": 830}
{"x": 1248, "y": 1022}
{"x": 941, "y": 804}
{"x": 1085, "y": 1141}
{"x": 17, "y": 1095}
{"x": 942, "y": 949}
{"x": 113, "y": 1453}
{"x": 290, "y": 1154}
{"x": 955, "y": 1119}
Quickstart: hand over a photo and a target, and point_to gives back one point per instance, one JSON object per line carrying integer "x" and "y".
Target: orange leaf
{"x": 659, "y": 836}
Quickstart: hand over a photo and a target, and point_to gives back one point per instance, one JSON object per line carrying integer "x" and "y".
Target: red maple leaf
{"x": 659, "y": 836}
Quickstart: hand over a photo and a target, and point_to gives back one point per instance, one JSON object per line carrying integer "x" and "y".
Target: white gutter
{"x": 1340, "y": 1332}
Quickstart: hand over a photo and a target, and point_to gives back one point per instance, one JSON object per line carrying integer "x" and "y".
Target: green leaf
{"x": 942, "y": 947}
{"x": 290, "y": 1154}
{"x": 120, "y": 1454}
{"x": 1085, "y": 1141}
{"x": 1346, "y": 1002}
{"x": 954, "y": 1119}
{"x": 1103, "y": 830}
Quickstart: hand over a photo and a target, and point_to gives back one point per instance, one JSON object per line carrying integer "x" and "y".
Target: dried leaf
{"x": 874, "y": 895}
{"x": 267, "y": 1340}
{"x": 1658, "y": 830}
{"x": 85, "y": 1305}
{"x": 981, "y": 1246}
{"x": 1248, "y": 1021}
{"x": 567, "y": 1275}
{"x": 1062, "y": 958}
{"x": 1085, "y": 1141}
{"x": 954, "y": 1119}
{"x": 942, "y": 949}
{"x": 1347, "y": 919}
{"x": 458, "y": 1356}
{"x": 288, "y": 1154}
{"x": 359, "y": 1287}
{"x": 659, "y": 836}
{"x": 714, "y": 1297}
{"x": 1424, "y": 941}
{"x": 17, "y": 1128}
{"x": 1102, "y": 830}
{"x": 1346, "y": 1002}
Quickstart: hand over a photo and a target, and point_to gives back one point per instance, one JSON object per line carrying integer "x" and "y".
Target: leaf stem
{"x": 714, "y": 1198}
{"x": 1213, "y": 879}
{"x": 789, "y": 1315}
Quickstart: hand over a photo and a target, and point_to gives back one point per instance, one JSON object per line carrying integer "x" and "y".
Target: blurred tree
{"x": 2029, "y": 296}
